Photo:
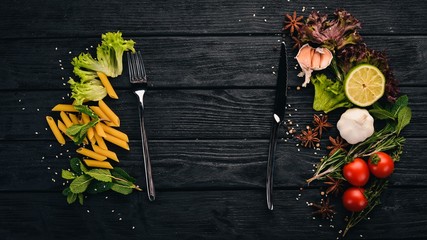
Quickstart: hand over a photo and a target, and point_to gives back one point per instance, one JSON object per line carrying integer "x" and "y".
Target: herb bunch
{"x": 96, "y": 180}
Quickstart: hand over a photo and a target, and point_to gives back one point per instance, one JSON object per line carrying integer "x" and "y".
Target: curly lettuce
{"x": 328, "y": 94}
{"x": 90, "y": 90}
{"x": 109, "y": 56}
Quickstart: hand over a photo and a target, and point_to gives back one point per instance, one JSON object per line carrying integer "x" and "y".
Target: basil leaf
{"x": 401, "y": 102}
{"x": 381, "y": 114}
{"x": 103, "y": 175}
{"x": 83, "y": 168}
{"x": 125, "y": 190}
{"x": 403, "y": 118}
{"x": 80, "y": 184}
{"x": 65, "y": 174}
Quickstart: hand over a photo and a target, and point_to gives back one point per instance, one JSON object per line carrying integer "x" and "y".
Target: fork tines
{"x": 136, "y": 68}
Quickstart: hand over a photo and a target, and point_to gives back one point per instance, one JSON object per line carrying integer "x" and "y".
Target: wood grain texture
{"x": 185, "y": 164}
{"x": 77, "y": 18}
{"x": 185, "y": 114}
{"x": 203, "y": 215}
{"x": 190, "y": 62}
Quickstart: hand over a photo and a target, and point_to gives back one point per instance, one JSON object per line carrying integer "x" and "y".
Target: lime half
{"x": 364, "y": 85}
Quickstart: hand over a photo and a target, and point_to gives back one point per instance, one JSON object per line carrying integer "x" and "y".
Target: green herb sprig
{"x": 95, "y": 180}
{"x": 79, "y": 131}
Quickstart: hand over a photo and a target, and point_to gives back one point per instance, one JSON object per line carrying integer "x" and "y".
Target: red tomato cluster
{"x": 357, "y": 173}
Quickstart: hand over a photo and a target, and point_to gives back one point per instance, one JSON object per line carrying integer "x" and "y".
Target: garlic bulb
{"x": 355, "y": 125}
{"x": 312, "y": 59}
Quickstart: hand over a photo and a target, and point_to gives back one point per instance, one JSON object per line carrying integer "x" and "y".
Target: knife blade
{"x": 278, "y": 118}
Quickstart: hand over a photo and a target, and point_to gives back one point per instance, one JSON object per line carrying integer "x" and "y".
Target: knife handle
{"x": 145, "y": 153}
{"x": 270, "y": 163}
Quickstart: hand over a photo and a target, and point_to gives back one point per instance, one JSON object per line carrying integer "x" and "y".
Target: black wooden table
{"x": 211, "y": 66}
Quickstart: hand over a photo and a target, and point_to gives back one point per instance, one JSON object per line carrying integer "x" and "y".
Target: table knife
{"x": 277, "y": 120}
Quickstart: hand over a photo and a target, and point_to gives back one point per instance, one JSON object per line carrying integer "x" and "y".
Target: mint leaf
{"x": 98, "y": 187}
{"x": 67, "y": 175}
{"x": 66, "y": 191}
{"x": 80, "y": 184}
{"x": 71, "y": 198}
{"x": 120, "y": 173}
{"x": 382, "y": 114}
{"x": 75, "y": 164}
{"x": 81, "y": 197}
{"x": 125, "y": 190}
{"x": 103, "y": 175}
{"x": 83, "y": 168}
{"x": 403, "y": 118}
{"x": 86, "y": 110}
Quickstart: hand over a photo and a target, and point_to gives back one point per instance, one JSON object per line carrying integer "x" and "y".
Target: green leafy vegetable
{"x": 102, "y": 175}
{"x": 109, "y": 57}
{"x": 91, "y": 90}
{"x": 80, "y": 184}
{"x": 67, "y": 175}
{"x": 79, "y": 131}
{"x": 403, "y": 118}
{"x": 95, "y": 180}
{"x": 328, "y": 95}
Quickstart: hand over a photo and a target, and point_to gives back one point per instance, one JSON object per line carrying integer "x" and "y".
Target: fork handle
{"x": 145, "y": 154}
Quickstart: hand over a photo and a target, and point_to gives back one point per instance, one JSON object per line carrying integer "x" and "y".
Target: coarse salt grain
{"x": 254, "y": 15}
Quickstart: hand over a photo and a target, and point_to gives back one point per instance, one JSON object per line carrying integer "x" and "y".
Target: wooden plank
{"x": 185, "y": 164}
{"x": 197, "y": 214}
{"x": 184, "y": 114}
{"x": 175, "y": 62}
{"x": 77, "y": 18}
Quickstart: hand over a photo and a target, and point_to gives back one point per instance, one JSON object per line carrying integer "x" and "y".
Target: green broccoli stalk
{"x": 90, "y": 90}
{"x": 328, "y": 95}
{"x": 109, "y": 56}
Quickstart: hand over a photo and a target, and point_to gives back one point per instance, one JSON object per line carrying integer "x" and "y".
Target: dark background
{"x": 211, "y": 67}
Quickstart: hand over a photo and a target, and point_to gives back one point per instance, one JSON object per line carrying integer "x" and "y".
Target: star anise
{"x": 308, "y": 138}
{"x": 321, "y": 123}
{"x": 335, "y": 185}
{"x": 337, "y": 144}
{"x": 324, "y": 209}
{"x": 297, "y": 44}
{"x": 292, "y": 23}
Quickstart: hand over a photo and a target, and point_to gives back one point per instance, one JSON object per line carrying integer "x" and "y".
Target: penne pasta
{"x": 98, "y": 164}
{"x": 65, "y": 119}
{"x": 90, "y": 131}
{"x": 107, "y": 85}
{"x": 116, "y": 133}
{"x": 74, "y": 119}
{"x": 99, "y": 130}
{"x": 55, "y": 130}
{"x": 63, "y": 129}
{"x": 89, "y": 153}
{"x": 111, "y": 115}
{"x": 64, "y": 108}
{"x": 97, "y": 110}
{"x": 100, "y": 141}
{"x": 111, "y": 155}
{"x": 116, "y": 141}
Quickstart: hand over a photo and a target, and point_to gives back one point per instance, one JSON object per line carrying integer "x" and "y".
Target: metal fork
{"x": 138, "y": 78}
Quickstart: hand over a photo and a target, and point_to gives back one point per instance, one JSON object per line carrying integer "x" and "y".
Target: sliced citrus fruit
{"x": 364, "y": 85}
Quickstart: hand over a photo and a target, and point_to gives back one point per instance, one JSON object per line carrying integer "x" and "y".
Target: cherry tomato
{"x": 354, "y": 199}
{"x": 381, "y": 164}
{"x": 356, "y": 172}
